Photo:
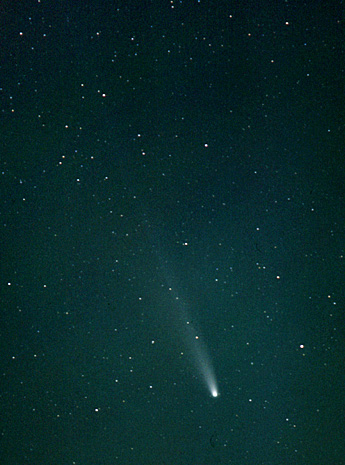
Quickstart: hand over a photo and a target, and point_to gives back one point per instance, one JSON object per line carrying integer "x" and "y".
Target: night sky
{"x": 172, "y": 226}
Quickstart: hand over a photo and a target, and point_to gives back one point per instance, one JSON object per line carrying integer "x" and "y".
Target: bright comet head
{"x": 212, "y": 386}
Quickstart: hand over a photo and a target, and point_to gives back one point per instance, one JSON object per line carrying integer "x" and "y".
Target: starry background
{"x": 164, "y": 162}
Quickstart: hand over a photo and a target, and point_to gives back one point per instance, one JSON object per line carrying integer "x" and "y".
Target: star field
{"x": 172, "y": 223}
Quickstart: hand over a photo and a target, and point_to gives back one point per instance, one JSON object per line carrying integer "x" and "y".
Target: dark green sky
{"x": 172, "y": 170}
